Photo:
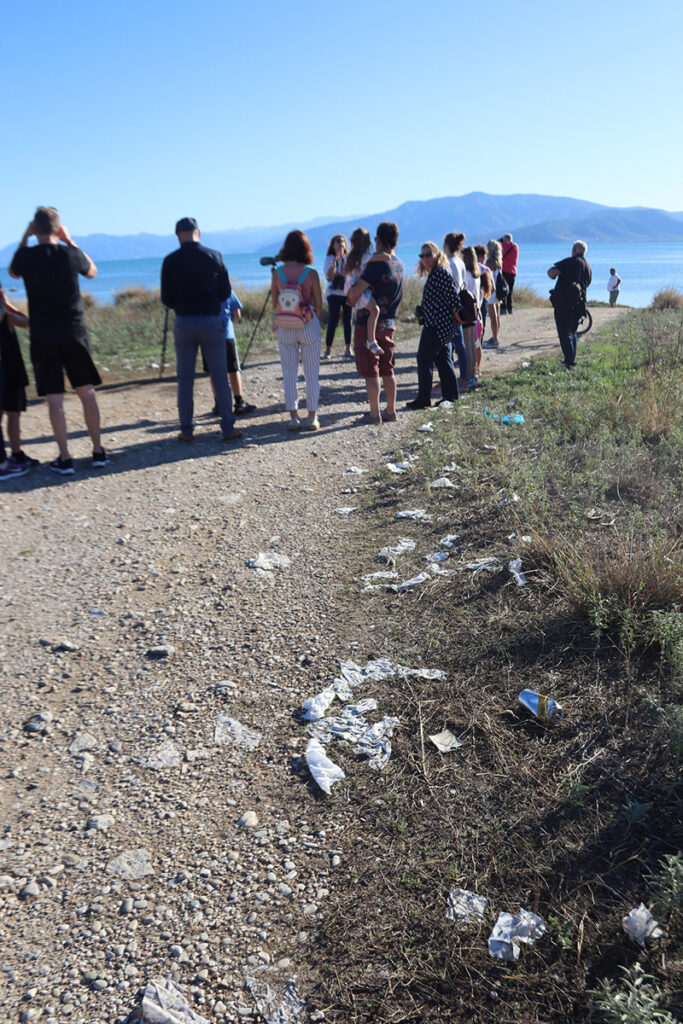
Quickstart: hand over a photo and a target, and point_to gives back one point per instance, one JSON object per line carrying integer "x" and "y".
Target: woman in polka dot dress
{"x": 440, "y": 309}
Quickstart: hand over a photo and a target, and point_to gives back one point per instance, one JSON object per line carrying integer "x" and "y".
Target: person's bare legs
{"x": 469, "y": 337}
{"x": 373, "y": 389}
{"x": 235, "y": 380}
{"x": 390, "y": 394}
{"x": 55, "y": 408}
{"x": 494, "y": 320}
{"x": 91, "y": 414}
{"x": 14, "y": 431}
{"x": 372, "y": 310}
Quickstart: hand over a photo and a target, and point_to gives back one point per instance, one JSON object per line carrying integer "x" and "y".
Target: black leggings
{"x": 335, "y": 303}
{"x": 507, "y": 303}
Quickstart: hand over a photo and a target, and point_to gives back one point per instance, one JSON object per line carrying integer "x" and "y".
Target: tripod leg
{"x": 163, "y": 345}
{"x": 246, "y": 351}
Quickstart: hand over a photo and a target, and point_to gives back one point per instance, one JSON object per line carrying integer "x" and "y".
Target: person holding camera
{"x": 334, "y": 271}
{"x": 568, "y": 297}
{"x": 439, "y": 315}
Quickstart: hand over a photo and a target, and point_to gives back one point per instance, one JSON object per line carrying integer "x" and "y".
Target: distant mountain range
{"x": 530, "y": 218}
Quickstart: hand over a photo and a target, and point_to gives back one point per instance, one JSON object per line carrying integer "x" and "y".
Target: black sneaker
{"x": 25, "y": 460}
{"x": 417, "y": 404}
{"x": 12, "y": 469}
{"x": 100, "y": 459}
{"x": 244, "y": 408}
{"x": 63, "y": 466}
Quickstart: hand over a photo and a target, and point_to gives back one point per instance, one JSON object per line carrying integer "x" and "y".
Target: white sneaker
{"x": 294, "y": 424}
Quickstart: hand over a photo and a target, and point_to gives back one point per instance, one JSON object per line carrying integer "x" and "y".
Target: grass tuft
{"x": 667, "y": 298}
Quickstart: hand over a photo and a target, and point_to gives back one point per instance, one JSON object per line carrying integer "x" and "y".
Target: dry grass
{"x": 667, "y": 298}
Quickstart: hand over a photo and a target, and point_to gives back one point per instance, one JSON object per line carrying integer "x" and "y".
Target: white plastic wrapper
{"x": 349, "y": 724}
{"x": 410, "y": 584}
{"x": 324, "y": 771}
{"x": 446, "y": 404}
{"x": 464, "y": 906}
{"x": 268, "y": 561}
{"x": 512, "y": 929}
{"x": 164, "y": 1003}
{"x": 229, "y": 730}
{"x": 439, "y": 571}
{"x": 492, "y": 564}
{"x": 286, "y": 1010}
{"x": 449, "y": 540}
{"x": 382, "y": 575}
{"x": 441, "y": 481}
{"x": 640, "y": 926}
{"x": 375, "y": 742}
{"x": 315, "y": 707}
{"x": 438, "y": 556}
{"x": 426, "y": 428}
{"x": 450, "y": 468}
{"x": 346, "y": 510}
{"x": 398, "y": 467}
{"x": 515, "y": 567}
{"x": 445, "y": 741}
{"x": 388, "y": 554}
{"x": 420, "y": 515}
{"x": 354, "y": 471}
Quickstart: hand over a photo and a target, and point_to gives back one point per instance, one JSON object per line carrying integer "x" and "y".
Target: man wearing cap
{"x": 194, "y": 283}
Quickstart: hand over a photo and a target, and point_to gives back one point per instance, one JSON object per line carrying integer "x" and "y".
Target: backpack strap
{"x": 281, "y": 275}
{"x": 304, "y": 275}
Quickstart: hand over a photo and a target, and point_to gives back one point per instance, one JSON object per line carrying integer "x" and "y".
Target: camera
{"x": 268, "y": 261}
{"x": 420, "y": 316}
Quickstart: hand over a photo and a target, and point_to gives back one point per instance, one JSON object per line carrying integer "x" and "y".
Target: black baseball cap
{"x": 186, "y": 224}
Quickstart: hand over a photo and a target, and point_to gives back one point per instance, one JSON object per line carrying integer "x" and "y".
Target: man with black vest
{"x": 194, "y": 283}
{"x": 568, "y": 297}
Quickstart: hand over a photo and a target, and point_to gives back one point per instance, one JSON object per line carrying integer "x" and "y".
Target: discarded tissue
{"x": 492, "y": 564}
{"x": 346, "y": 510}
{"x": 269, "y": 561}
{"x": 640, "y": 925}
{"x": 510, "y": 930}
{"x": 420, "y": 515}
{"x": 449, "y": 541}
{"x": 324, "y": 771}
{"x": 388, "y": 554}
{"x": 465, "y": 906}
{"x": 398, "y": 467}
{"x": 545, "y": 708}
{"x": 229, "y": 730}
{"x": 426, "y": 428}
{"x": 164, "y": 1003}
{"x": 440, "y": 482}
{"x": 445, "y": 741}
{"x": 273, "y": 1010}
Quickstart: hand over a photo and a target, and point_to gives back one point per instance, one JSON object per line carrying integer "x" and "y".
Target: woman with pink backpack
{"x": 297, "y": 300}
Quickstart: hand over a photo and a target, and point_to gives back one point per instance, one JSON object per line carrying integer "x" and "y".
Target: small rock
{"x": 220, "y": 1007}
{"x": 62, "y": 646}
{"x": 101, "y": 822}
{"x": 32, "y": 889}
{"x": 127, "y": 906}
{"x": 160, "y": 652}
{"x": 38, "y": 723}
{"x": 131, "y": 865}
{"x": 336, "y": 861}
{"x": 99, "y": 985}
{"x": 248, "y": 820}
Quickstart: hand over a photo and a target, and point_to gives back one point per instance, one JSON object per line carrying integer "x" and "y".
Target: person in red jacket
{"x": 510, "y": 257}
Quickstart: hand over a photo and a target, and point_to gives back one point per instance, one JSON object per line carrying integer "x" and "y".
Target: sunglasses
{"x": 426, "y": 255}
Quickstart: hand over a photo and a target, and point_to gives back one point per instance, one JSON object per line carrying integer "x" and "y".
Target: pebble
{"x": 39, "y": 722}
{"x": 127, "y": 906}
{"x": 131, "y": 865}
{"x": 248, "y": 820}
{"x": 82, "y": 741}
{"x": 160, "y": 652}
{"x": 32, "y": 889}
{"x": 101, "y": 822}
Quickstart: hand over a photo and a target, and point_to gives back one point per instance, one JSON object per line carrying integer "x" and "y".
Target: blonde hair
{"x": 494, "y": 260}
{"x": 440, "y": 259}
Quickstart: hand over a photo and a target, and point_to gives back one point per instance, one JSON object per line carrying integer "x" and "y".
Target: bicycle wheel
{"x": 585, "y": 323}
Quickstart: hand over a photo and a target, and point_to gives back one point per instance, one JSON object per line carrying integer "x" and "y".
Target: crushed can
{"x": 544, "y": 708}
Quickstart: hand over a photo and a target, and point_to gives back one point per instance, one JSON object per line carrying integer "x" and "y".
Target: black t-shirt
{"x": 573, "y": 270}
{"x": 50, "y": 274}
{"x": 194, "y": 281}
{"x": 385, "y": 278}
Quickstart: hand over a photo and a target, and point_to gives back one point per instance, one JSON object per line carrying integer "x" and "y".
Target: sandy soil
{"x": 101, "y": 568}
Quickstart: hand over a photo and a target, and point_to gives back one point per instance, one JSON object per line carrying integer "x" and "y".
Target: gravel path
{"x": 133, "y": 844}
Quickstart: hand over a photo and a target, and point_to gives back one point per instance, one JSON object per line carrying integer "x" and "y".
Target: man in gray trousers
{"x": 194, "y": 283}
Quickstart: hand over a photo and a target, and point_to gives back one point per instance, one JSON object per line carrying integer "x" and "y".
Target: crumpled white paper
{"x": 515, "y": 567}
{"x": 440, "y": 571}
{"x": 349, "y": 724}
{"x": 445, "y": 741}
{"x": 441, "y": 481}
{"x": 354, "y": 471}
{"x": 492, "y": 564}
{"x": 465, "y": 906}
{"x": 268, "y": 561}
{"x": 229, "y": 730}
{"x": 398, "y": 467}
{"x": 324, "y": 771}
{"x": 315, "y": 707}
{"x": 164, "y": 1003}
{"x": 420, "y": 515}
{"x": 510, "y": 930}
{"x": 286, "y": 1010}
{"x": 438, "y": 556}
{"x": 346, "y": 510}
{"x": 426, "y": 428}
{"x": 387, "y": 554}
{"x": 449, "y": 540}
{"x": 376, "y": 744}
{"x": 640, "y": 925}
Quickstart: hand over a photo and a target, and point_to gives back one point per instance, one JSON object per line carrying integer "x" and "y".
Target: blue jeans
{"x": 567, "y": 322}
{"x": 433, "y": 352}
{"x": 206, "y": 332}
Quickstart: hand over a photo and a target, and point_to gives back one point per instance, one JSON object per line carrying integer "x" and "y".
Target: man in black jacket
{"x": 568, "y": 297}
{"x": 194, "y": 283}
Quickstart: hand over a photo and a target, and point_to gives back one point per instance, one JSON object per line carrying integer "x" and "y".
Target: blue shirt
{"x": 228, "y": 307}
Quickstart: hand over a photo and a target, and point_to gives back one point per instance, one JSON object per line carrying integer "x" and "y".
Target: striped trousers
{"x": 304, "y": 341}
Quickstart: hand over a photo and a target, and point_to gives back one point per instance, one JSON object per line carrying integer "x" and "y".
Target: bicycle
{"x": 585, "y": 323}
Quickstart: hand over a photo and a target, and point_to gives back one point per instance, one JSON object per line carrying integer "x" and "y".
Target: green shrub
{"x": 635, "y": 1002}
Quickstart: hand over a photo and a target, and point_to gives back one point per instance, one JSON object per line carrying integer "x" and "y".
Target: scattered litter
{"x": 165, "y": 756}
{"x": 386, "y": 575}
{"x": 438, "y": 556}
{"x": 465, "y": 906}
{"x": 445, "y": 741}
{"x": 388, "y": 554}
{"x": 426, "y": 428}
{"x": 439, "y": 571}
{"x": 324, "y": 771}
{"x": 398, "y": 467}
{"x": 640, "y": 925}
{"x": 269, "y": 561}
{"x": 349, "y": 724}
{"x": 490, "y": 448}
{"x": 229, "y": 730}
{"x": 346, "y": 510}
{"x": 512, "y": 538}
{"x": 517, "y": 418}
{"x": 421, "y": 577}
{"x": 315, "y": 707}
{"x": 354, "y": 471}
{"x": 164, "y": 1003}
{"x": 376, "y": 744}
{"x": 526, "y": 364}
{"x": 441, "y": 481}
{"x": 450, "y": 540}
{"x": 445, "y": 403}
{"x": 420, "y": 515}
{"x": 492, "y": 564}
{"x": 515, "y": 567}
{"x": 283, "y": 1011}
{"x": 510, "y": 501}
{"x": 450, "y": 468}
{"x": 509, "y": 930}
{"x": 544, "y": 708}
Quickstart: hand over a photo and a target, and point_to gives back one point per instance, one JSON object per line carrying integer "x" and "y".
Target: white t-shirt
{"x": 329, "y": 261}
{"x": 457, "y": 270}
{"x": 613, "y": 283}
{"x": 472, "y": 284}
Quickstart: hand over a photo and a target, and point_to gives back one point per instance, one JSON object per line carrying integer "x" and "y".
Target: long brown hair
{"x": 337, "y": 238}
{"x": 296, "y": 249}
{"x": 471, "y": 263}
{"x": 360, "y": 244}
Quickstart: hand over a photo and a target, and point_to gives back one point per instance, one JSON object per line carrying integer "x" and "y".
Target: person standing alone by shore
{"x": 194, "y": 283}
{"x": 613, "y": 286}
{"x": 59, "y": 336}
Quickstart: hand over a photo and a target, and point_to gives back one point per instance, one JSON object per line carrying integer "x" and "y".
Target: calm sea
{"x": 644, "y": 268}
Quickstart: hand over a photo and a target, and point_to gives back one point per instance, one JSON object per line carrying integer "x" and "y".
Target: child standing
{"x": 355, "y": 264}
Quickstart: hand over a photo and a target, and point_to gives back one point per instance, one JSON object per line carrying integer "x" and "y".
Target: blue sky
{"x": 128, "y": 115}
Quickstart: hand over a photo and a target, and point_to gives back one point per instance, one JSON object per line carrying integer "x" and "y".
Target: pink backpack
{"x": 292, "y": 311}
